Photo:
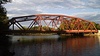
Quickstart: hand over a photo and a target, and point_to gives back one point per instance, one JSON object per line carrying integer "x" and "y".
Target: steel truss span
{"x": 50, "y": 23}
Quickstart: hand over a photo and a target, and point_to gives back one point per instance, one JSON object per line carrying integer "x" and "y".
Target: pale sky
{"x": 86, "y": 9}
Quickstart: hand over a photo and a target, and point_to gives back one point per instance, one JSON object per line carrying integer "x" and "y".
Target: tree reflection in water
{"x": 5, "y": 44}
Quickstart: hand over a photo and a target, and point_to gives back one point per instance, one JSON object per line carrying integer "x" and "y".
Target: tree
{"x": 46, "y": 28}
{"x": 61, "y": 27}
{"x": 97, "y": 25}
{"x": 4, "y": 1}
{"x": 3, "y": 15}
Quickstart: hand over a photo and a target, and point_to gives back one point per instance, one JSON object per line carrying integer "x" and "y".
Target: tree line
{"x": 97, "y": 25}
{"x": 60, "y": 28}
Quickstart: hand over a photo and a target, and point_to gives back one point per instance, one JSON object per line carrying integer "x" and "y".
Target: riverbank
{"x": 95, "y": 34}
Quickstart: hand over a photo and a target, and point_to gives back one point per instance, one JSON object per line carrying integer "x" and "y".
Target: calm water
{"x": 54, "y": 45}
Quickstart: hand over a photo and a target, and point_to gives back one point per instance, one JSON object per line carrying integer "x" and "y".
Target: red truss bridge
{"x": 50, "y": 23}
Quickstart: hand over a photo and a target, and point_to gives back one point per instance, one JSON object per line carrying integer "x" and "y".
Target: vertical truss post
{"x": 13, "y": 26}
{"x": 40, "y": 24}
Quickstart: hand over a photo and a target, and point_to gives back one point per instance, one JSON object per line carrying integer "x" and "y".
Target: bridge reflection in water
{"x": 81, "y": 46}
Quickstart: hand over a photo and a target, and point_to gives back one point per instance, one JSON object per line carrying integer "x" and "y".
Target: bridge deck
{"x": 66, "y": 31}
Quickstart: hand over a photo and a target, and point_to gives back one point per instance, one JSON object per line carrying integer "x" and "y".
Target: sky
{"x": 86, "y": 9}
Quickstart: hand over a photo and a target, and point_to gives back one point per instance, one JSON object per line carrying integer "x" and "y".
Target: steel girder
{"x": 52, "y": 22}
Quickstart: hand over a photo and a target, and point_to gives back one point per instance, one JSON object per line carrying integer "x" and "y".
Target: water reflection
{"x": 78, "y": 46}
{"x": 4, "y": 46}
{"x": 99, "y": 39}
{"x": 63, "y": 46}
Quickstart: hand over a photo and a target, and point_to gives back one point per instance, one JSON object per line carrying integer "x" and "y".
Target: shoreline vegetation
{"x": 47, "y": 34}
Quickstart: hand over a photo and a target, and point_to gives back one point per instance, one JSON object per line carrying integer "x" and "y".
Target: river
{"x": 54, "y": 45}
